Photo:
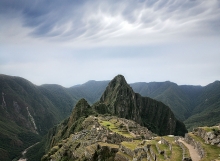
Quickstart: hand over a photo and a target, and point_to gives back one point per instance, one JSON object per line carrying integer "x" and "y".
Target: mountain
{"x": 195, "y": 105}
{"x": 27, "y": 112}
{"x": 110, "y": 138}
{"x": 30, "y": 110}
{"x": 91, "y": 90}
{"x": 122, "y": 101}
{"x": 91, "y": 137}
{"x": 207, "y": 107}
{"x": 111, "y": 130}
{"x": 169, "y": 93}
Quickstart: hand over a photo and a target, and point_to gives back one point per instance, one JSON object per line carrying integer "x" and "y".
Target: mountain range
{"x": 118, "y": 100}
{"x": 30, "y": 110}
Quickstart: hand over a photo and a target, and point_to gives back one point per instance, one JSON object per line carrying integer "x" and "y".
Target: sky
{"x": 70, "y": 42}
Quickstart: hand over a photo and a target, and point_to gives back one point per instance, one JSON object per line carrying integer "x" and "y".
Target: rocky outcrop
{"x": 212, "y": 136}
{"x": 120, "y": 100}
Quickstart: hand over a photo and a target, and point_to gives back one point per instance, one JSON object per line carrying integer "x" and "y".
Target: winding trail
{"x": 25, "y": 151}
{"x": 193, "y": 153}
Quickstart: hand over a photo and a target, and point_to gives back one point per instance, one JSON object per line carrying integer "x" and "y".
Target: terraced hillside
{"x": 112, "y": 138}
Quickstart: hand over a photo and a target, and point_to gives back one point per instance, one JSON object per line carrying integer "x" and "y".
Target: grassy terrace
{"x": 111, "y": 126}
{"x": 126, "y": 156}
{"x": 210, "y": 129}
{"x": 163, "y": 146}
{"x": 131, "y": 145}
{"x": 212, "y": 151}
{"x": 159, "y": 156}
{"x": 176, "y": 153}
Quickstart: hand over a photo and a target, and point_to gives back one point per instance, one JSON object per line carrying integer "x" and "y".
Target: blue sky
{"x": 69, "y": 42}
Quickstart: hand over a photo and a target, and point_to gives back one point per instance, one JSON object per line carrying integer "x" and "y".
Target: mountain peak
{"x": 81, "y": 109}
{"x": 123, "y": 102}
{"x": 118, "y": 80}
{"x": 116, "y": 89}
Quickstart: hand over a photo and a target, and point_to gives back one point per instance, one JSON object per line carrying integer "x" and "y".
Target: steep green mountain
{"x": 207, "y": 107}
{"x": 117, "y": 100}
{"x": 88, "y": 135}
{"x": 121, "y": 101}
{"x": 27, "y": 112}
{"x": 168, "y": 93}
{"x": 195, "y": 105}
{"x": 27, "y": 109}
{"x": 99, "y": 139}
{"x": 59, "y": 97}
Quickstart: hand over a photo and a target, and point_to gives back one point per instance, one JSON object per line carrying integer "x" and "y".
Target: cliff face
{"x": 123, "y": 102}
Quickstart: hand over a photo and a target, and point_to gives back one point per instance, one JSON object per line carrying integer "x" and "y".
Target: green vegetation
{"x": 210, "y": 129}
{"x": 195, "y": 105}
{"x": 115, "y": 128}
{"x": 123, "y": 102}
{"x": 49, "y": 104}
{"x": 131, "y": 145}
{"x": 212, "y": 151}
{"x": 176, "y": 153}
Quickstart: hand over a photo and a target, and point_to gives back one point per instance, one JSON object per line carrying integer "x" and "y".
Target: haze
{"x": 70, "y": 42}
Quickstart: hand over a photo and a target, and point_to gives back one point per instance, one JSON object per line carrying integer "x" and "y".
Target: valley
{"x": 28, "y": 112}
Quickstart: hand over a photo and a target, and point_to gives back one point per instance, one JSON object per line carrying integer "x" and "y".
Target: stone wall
{"x": 185, "y": 156}
{"x": 125, "y": 150}
{"x": 195, "y": 144}
{"x": 163, "y": 141}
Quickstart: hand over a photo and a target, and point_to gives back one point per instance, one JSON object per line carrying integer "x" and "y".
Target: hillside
{"x": 27, "y": 109}
{"x": 91, "y": 90}
{"x": 186, "y": 101}
{"x": 117, "y": 102}
{"x": 105, "y": 137}
{"x": 195, "y": 105}
{"x": 122, "y": 101}
{"x": 105, "y": 140}
{"x": 27, "y": 112}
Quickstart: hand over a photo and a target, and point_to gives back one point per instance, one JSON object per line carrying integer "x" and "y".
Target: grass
{"x": 115, "y": 129}
{"x": 176, "y": 153}
{"x": 210, "y": 129}
{"x": 165, "y": 148}
{"x": 131, "y": 145}
{"x": 126, "y": 156}
{"x": 212, "y": 151}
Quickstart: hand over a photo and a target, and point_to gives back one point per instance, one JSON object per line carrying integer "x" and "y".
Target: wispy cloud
{"x": 115, "y": 21}
{"x": 72, "y": 41}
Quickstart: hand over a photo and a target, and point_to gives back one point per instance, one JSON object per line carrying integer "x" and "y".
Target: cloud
{"x": 72, "y": 41}
{"x": 109, "y": 21}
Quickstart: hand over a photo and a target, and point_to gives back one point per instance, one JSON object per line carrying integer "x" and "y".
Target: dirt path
{"x": 25, "y": 151}
{"x": 193, "y": 153}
